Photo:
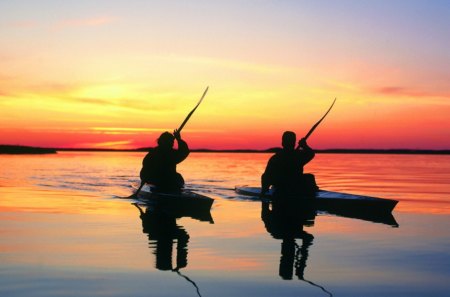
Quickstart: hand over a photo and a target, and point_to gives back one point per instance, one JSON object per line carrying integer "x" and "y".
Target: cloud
{"x": 125, "y": 130}
{"x": 87, "y": 22}
{"x": 4, "y": 94}
{"x": 129, "y": 104}
{"x": 68, "y": 23}
{"x": 24, "y": 24}
{"x": 229, "y": 64}
{"x": 94, "y": 101}
{"x": 409, "y": 92}
{"x": 120, "y": 143}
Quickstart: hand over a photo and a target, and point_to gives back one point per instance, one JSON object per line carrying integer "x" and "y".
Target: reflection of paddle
{"x": 318, "y": 286}
{"x": 299, "y": 251}
{"x": 178, "y": 131}
{"x": 189, "y": 280}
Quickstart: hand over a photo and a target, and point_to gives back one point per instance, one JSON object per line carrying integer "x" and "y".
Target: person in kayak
{"x": 159, "y": 166}
{"x": 284, "y": 171}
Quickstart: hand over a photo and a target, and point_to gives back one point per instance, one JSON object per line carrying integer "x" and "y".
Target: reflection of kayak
{"x": 337, "y": 203}
{"x": 376, "y": 217}
{"x": 327, "y": 199}
{"x": 179, "y": 204}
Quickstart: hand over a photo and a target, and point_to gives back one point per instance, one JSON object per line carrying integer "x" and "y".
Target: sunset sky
{"x": 115, "y": 74}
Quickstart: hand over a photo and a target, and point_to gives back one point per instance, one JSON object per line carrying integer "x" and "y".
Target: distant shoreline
{"x": 273, "y": 150}
{"x": 17, "y": 149}
{"x": 25, "y": 150}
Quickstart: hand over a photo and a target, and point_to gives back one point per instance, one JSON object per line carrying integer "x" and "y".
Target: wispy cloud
{"x": 4, "y": 94}
{"x": 229, "y": 64}
{"x": 94, "y": 101}
{"x": 409, "y": 92}
{"x": 120, "y": 144}
{"x": 24, "y": 24}
{"x": 124, "y": 130}
{"x": 89, "y": 95}
{"x": 129, "y": 104}
{"x": 95, "y": 21}
{"x": 86, "y": 22}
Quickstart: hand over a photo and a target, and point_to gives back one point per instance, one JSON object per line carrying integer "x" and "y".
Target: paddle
{"x": 317, "y": 124}
{"x": 179, "y": 130}
{"x": 192, "y": 111}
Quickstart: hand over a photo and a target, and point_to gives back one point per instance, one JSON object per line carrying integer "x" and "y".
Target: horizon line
{"x": 12, "y": 148}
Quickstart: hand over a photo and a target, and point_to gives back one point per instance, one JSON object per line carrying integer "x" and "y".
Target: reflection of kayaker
{"x": 162, "y": 231}
{"x": 285, "y": 220}
{"x": 160, "y": 225}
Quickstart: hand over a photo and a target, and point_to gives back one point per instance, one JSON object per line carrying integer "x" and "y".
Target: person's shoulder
{"x": 278, "y": 154}
{"x": 152, "y": 150}
{"x": 277, "y": 151}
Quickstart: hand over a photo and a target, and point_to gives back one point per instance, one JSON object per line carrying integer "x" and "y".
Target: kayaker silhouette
{"x": 284, "y": 170}
{"x": 159, "y": 167}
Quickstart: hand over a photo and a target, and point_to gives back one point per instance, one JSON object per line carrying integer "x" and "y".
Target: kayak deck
{"x": 328, "y": 200}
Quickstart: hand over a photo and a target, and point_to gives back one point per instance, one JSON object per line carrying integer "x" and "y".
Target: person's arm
{"x": 266, "y": 178}
{"x": 265, "y": 185}
{"x": 183, "y": 148}
{"x": 308, "y": 152}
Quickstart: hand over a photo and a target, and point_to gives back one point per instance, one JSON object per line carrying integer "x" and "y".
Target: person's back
{"x": 159, "y": 165}
{"x": 284, "y": 170}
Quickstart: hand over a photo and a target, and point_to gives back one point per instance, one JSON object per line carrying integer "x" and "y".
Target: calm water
{"x": 64, "y": 231}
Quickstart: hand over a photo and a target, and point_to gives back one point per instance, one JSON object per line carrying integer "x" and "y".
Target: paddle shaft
{"x": 138, "y": 190}
{"x": 192, "y": 111}
{"x": 317, "y": 124}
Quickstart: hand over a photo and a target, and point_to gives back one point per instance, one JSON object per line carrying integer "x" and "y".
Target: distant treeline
{"x": 19, "y": 149}
{"x": 337, "y": 151}
{"x": 385, "y": 151}
{"x": 15, "y": 149}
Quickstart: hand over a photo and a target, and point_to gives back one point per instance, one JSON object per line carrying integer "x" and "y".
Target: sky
{"x": 116, "y": 74}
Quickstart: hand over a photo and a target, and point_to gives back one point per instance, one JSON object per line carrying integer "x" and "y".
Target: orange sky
{"x": 117, "y": 74}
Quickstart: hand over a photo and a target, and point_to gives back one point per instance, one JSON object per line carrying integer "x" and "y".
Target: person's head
{"x": 288, "y": 140}
{"x": 166, "y": 140}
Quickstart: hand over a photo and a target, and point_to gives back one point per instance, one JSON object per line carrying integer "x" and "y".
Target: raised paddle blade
{"x": 317, "y": 124}
{"x": 192, "y": 111}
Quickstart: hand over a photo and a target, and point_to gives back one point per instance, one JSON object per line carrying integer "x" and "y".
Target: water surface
{"x": 65, "y": 232}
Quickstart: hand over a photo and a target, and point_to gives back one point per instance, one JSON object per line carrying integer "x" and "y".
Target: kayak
{"x": 180, "y": 204}
{"x": 333, "y": 201}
